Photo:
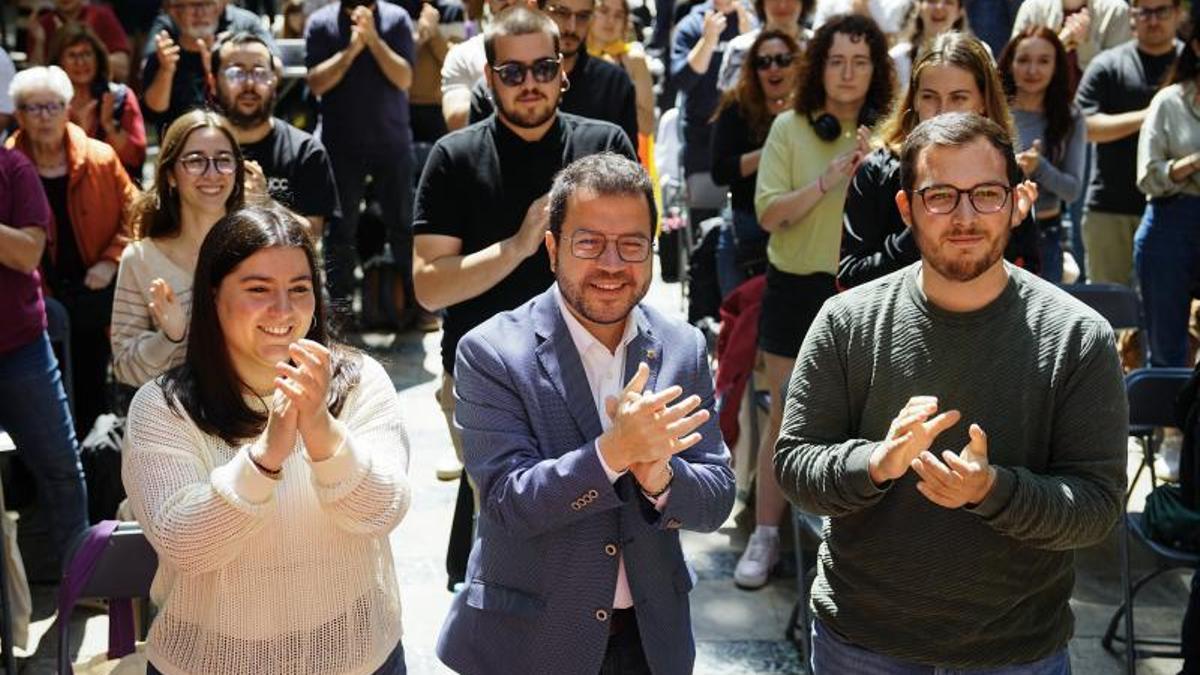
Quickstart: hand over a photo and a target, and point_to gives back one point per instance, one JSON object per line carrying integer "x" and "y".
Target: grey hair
{"x": 39, "y": 78}
{"x": 606, "y": 173}
{"x": 517, "y": 20}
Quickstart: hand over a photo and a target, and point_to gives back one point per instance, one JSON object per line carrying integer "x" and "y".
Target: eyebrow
{"x": 260, "y": 277}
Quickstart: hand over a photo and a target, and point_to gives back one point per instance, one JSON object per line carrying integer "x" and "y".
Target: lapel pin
{"x": 651, "y": 353}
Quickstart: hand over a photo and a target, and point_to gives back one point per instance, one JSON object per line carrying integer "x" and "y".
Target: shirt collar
{"x": 582, "y": 337}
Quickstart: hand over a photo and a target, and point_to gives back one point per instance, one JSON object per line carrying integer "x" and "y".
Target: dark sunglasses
{"x": 781, "y": 60}
{"x": 513, "y": 73}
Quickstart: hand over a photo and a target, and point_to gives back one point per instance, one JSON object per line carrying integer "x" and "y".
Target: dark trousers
{"x": 624, "y": 655}
{"x": 35, "y": 413}
{"x": 1191, "y": 630}
{"x": 90, "y": 312}
{"x": 391, "y": 174}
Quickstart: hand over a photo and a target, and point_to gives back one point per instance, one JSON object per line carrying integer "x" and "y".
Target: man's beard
{"x": 250, "y": 120}
{"x": 530, "y": 120}
{"x": 576, "y": 298}
{"x": 956, "y": 267}
{"x": 579, "y": 42}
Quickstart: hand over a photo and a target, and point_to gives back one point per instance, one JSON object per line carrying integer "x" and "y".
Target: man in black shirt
{"x": 178, "y": 70}
{"x": 287, "y": 163}
{"x": 595, "y": 87}
{"x": 1114, "y": 94}
{"x": 480, "y": 216}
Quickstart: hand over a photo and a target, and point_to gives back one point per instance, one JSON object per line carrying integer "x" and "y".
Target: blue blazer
{"x": 543, "y": 569}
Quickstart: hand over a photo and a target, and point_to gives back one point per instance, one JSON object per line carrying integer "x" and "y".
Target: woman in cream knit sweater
{"x": 268, "y": 471}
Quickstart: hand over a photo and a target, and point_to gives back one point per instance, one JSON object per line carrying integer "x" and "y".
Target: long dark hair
{"x": 1057, "y": 98}
{"x": 206, "y": 385}
{"x": 1187, "y": 64}
{"x": 748, "y": 93}
{"x": 810, "y": 96}
{"x": 157, "y": 214}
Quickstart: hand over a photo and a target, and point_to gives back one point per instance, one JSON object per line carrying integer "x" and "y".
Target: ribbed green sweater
{"x": 973, "y": 587}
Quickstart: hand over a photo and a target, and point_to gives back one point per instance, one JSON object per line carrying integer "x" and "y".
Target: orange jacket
{"x": 100, "y": 196}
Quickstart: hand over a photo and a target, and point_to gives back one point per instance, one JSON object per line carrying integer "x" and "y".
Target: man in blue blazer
{"x": 587, "y": 426}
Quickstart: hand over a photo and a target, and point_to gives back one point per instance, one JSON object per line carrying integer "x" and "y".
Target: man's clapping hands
{"x": 964, "y": 478}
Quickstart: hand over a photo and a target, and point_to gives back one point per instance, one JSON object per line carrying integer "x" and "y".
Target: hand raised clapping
{"x": 965, "y": 478}
{"x": 910, "y": 434}
{"x": 645, "y": 428}
{"x": 167, "y": 311}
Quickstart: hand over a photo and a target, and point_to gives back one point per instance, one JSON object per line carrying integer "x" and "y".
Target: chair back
{"x": 1118, "y": 304}
{"x": 1152, "y": 392}
{"x": 291, "y": 51}
{"x": 111, "y": 560}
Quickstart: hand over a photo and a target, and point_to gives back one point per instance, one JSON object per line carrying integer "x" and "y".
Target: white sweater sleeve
{"x": 198, "y": 517}
{"x": 140, "y": 351}
{"x": 364, "y": 486}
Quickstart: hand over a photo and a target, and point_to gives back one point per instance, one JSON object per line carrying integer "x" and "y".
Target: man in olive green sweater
{"x": 963, "y": 424}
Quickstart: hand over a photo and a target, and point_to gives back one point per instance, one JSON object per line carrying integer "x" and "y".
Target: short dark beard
{"x": 958, "y": 270}
{"x": 524, "y": 123}
{"x": 243, "y": 120}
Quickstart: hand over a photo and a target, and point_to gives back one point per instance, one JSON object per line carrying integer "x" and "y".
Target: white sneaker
{"x": 1166, "y": 464}
{"x": 754, "y": 567}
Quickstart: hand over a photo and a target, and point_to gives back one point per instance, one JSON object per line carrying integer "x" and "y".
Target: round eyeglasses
{"x": 984, "y": 198}
{"x": 196, "y": 164}
{"x": 237, "y": 76}
{"x": 631, "y": 248}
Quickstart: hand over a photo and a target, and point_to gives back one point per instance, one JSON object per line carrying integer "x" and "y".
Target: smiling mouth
{"x": 210, "y": 190}
{"x": 277, "y": 331}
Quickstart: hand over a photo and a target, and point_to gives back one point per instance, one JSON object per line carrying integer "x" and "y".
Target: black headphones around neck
{"x": 828, "y": 128}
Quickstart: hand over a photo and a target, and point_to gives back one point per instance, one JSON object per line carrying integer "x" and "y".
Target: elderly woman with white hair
{"x": 90, "y": 198}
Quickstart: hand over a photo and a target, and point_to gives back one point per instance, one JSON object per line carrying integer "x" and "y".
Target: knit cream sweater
{"x": 258, "y": 575}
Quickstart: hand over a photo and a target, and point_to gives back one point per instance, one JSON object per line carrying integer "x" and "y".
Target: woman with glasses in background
{"x": 766, "y": 87}
{"x": 90, "y": 198}
{"x": 1034, "y": 69}
{"x": 199, "y": 177}
{"x": 105, "y": 110}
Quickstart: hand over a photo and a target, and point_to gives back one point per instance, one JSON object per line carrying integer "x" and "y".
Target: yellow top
{"x": 793, "y": 157}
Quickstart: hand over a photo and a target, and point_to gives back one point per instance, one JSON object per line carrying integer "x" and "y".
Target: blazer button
{"x": 610, "y": 549}
{"x": 575, "y": 505}
{"x": 602, "y": 615}
{"x": 593, "y": 494}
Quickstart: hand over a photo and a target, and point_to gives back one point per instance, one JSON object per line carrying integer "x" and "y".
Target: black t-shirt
{"x": 1119, "y": 80}
{"x": 731, "y": 139}
{"x": 65, "y": 269}
{"x": 299, "y": 174}
{"x": 599, "y": 90}
{"x": 476, "y": 187}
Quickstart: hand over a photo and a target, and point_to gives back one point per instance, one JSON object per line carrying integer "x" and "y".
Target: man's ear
{"x": 904, "y": 206}
{"x": 552, "y": 251}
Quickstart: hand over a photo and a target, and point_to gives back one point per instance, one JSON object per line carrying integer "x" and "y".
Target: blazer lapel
{"x": 644, "y": 346}
{"x": 562, "y": 366}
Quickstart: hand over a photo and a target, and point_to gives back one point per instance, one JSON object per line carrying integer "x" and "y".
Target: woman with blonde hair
{"x": 956, "y": 74}
{"x": 199, "y": 177}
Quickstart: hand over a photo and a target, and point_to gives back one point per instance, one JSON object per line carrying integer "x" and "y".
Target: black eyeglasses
{"x": 984, "y": 198}
{"x": 631, "y": 248}
{"x": 196, "y": 164}
{"x": 1147, "y": 13}
{"x": 564, "y": 14}
{"x": 42, "y": 109}
{"x": 513, "y": 73}
{"x": 781, "y": 60}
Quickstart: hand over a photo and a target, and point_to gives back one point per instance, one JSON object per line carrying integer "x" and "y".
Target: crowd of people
{"x": 899, "y": 184}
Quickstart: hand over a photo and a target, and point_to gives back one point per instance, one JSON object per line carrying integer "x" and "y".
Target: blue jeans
{"x": 393, "y": 666}
{"x": 740, "y": 232}
{"x": 35, "y": 413}
{"x": 1166, "y": 255}
{"x": 1050, "y": 246}
{"x": 832, "y": 655}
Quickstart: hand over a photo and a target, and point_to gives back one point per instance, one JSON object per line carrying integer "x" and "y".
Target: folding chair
{"x": 111, "y": 560}
{"x": 1151, "y": 393}
{"x": 1166, "y": 558}
{"x": 1118, "y": 304}
{"x": 805, "y": 527}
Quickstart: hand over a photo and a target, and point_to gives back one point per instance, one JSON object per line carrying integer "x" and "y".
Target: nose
{"x": 281, "y": 302}
{"x": 610, "y": 257}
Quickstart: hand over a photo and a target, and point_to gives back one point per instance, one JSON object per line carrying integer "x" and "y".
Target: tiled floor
{"x": 737, "y": 632}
